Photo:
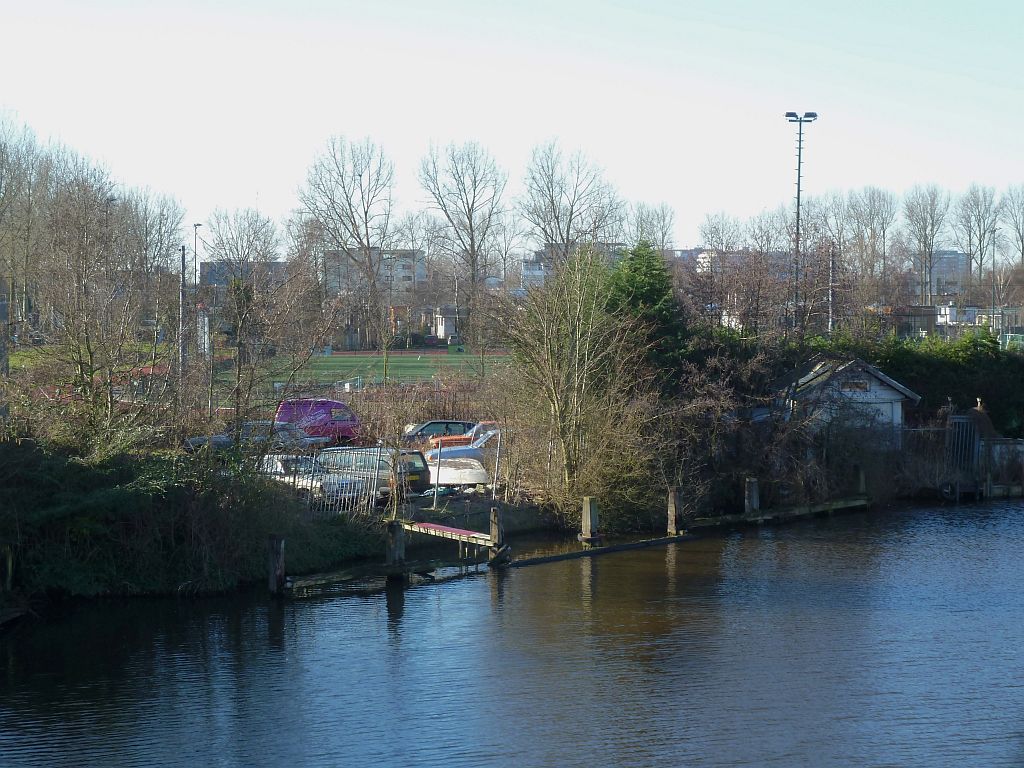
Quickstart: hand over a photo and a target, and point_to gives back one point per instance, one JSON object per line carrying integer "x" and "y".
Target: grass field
{"x": 402, "y": 366}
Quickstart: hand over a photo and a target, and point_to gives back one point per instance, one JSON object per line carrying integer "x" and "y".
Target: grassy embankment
{"x": 155, "y": 524}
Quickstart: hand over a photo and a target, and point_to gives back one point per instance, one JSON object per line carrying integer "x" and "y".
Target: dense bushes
{"x": 948, "y": 372}
{"x": 156, "y": 524}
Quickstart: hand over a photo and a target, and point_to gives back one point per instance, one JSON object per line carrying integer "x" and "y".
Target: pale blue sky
{"x": 225, "y": 104}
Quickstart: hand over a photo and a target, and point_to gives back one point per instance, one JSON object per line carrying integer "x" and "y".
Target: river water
{"x": 882, "y": 639}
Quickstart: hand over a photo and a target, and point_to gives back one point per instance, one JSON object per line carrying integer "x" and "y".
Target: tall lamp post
{"x": 793, "y": 117}
{"x": 195, "y": 254}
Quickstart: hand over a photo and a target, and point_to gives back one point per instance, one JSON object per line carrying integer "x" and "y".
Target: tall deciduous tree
{"x": 974, "y": 220}
{"x": 873, "y": 212}
{"x": 651, "y": 223}
{"x": 466, "y": 186}
{"x": 924, "y": 213}
{"x": 245, "y": 243}
{"x": 567, "y": 200}
{"x": 1011, "y": 208}
{"x": 349, "y": 192}
{"x": 582, "y": 365}
{"x": 759, "y": 283}
{"x": 720, "y": 235}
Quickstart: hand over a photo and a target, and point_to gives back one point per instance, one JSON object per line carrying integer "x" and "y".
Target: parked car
{"x": 458, "y": 472}
{"x": 421, "y": 433}
{"x": 384, "y": 470}
{"x": 466, "y": 438}
{"x": 309, "y": 480}
{"x": 276, "y": 435}
{"x": 473, "y": 450}
{"x": 320, "y": 417}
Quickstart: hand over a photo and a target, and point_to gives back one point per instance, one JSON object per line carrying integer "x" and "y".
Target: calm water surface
{"x": 891, "y": 639}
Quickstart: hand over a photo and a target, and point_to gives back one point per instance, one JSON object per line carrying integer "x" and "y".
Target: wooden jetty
{"x": 446, "y": 532}
{"x": 477, "y": 548}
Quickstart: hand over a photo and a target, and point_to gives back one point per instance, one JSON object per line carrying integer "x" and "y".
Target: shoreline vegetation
{"x": 616, "y": 368}
{"x": 159, "y": 522}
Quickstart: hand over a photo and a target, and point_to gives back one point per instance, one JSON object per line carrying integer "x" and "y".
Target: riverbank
{"x": 13, "y": 606}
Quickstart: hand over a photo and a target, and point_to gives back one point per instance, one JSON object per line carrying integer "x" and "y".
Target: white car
{"x": 460, "y": 472}
{"x": 310, "y": 480}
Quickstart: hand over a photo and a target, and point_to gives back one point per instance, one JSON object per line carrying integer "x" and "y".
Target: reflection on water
{"x": 886, "y": 639}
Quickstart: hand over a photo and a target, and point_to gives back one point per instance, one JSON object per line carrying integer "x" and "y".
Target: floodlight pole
{"x": 793, "y": 117}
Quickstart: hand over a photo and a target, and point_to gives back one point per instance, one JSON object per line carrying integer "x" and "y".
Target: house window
{"x": 856, "y": 385}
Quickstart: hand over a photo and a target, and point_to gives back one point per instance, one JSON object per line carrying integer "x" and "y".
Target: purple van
{"x": 320, "y": 417}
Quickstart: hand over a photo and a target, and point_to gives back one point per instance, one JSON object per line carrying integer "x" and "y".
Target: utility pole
{"x": 181, "y": 328}
{"x": 195, "y": 254}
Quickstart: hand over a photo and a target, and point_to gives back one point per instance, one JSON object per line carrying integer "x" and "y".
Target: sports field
{"x": 407, "y": 366}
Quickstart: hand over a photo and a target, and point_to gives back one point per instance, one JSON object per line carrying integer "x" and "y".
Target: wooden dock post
{"x": 7, "y": 582}
{"x": 497, "y": 530}
{"x": 499, "y": 553}
{"x": 589, "y": 530}
{"x": 751, "y": 496}
{"x": 275, "y": 563}
{"x": 675, "y": 509}
{"x": 395, "y": 543}
{"x": 862, "y": 481}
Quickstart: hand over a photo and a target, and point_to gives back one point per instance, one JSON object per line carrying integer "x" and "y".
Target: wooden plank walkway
{"x": 447, "y": 532}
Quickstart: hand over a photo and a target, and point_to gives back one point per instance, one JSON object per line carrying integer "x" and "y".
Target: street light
{"x": 195, "y": 253}
{"x": 793, "y": 117}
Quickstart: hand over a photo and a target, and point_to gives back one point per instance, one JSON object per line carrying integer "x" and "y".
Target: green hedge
{"x": 943, "y": 372}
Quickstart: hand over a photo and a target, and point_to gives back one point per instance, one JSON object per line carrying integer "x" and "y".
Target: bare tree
{"x": 577, "y": 369}
{"x": 19, "y": 159}
{"x": 465, "y": 186}
{"x": 567, "y": 200}
{"x": 873, "y": 213}
{"x": 1011, "y": 208}
{"x": 650, "y": 223}
{"x": 758, "y": 282}
{"x": 721, "y": 235}
{"x": 974, "y": 220}
{"x": 422, "y": 232}
{"x": 245, "y": 244}
{"x": 508, "y": 238}
{"x": 348, "y": 191}
{"x": 924, "y": 214}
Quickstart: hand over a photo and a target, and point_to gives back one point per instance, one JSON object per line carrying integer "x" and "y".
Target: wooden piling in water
{"x": 275, "y": 563}
{"x": 497, "y": 530}
{"x": 589, "y": 529}
{"x": 751, "y": 496}
{"x": 7, "y": 582}
{"x": 395, "y": 543}
{"x": 675, "y": 509}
